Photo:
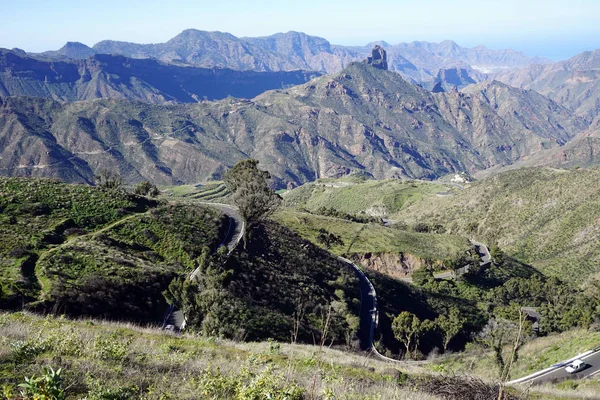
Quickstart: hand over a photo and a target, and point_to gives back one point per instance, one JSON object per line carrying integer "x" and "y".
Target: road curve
{"x": 233, "y": 236}
{"x": 483, "y": 251}
{"x": 368, "y": 315}
{"x": 235, "y": 230}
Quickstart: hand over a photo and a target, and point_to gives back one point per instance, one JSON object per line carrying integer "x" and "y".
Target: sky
{"x": 557, "y": 29}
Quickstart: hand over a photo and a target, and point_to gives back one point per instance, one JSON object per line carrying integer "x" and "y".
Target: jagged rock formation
{"x": 106, "y": 76}
{"x": 361, "y": 119}
{"x": 438, "y": 88}
{"x": 378, "y": 58}
{"x": 459, "y": 77}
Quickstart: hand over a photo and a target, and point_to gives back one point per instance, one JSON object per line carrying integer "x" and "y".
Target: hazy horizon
{"x": 550, "y": 28}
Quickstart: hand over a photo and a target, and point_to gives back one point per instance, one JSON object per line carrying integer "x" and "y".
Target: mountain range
{"x": 360, "y": 119}
{"x": 416, "y": 61}
{"x": 574, "y": 83}
{"x": 102, "y": 75}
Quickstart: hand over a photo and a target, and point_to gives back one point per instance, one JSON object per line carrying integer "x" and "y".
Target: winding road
{"x": 235, "y": 231}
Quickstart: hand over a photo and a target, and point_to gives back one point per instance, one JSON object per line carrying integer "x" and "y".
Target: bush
{"x": 46, "y": 387}
{"x": 146, "y": 189}
{"x": 110, "y": 348}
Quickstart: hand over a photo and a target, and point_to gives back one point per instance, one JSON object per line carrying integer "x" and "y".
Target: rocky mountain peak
{"x": 378, "y": 58}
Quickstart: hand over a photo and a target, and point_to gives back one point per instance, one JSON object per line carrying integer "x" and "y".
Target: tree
{"x": 329, "y": 239}
{"x": 449, "y": 326}
{"x": 146, "y": 189}
{"x": 108, "y": 180}
{"x": 251, "y": 193}
{"x": 422, "y": 276}
{"x": 408, "y": 328}
{"x": 499, "y": 333}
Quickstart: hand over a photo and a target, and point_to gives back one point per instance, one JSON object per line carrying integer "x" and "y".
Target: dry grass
{"x": 97, "y": 354}
{"x": 588, "y": 389}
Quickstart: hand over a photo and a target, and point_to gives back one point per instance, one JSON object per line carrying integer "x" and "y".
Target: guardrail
{"x": 553, "y": 367}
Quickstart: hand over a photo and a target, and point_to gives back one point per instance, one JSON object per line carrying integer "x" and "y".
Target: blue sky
{"x": 551, "y": 28}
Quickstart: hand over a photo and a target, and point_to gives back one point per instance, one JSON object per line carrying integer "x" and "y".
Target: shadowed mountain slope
{"x": 106, "y": 76}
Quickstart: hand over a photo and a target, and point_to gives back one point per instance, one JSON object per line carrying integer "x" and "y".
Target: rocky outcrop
{"x": 395, "y": 265}
{"x": 378, "y": 58}
{"x": 438, "y": 88}
{"x": 456, "y": 77}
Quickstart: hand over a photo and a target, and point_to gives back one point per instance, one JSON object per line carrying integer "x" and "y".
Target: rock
{"x": 392, "y": 373}
{"x": 438, "y": 88}
{"x": 378, "y": 58}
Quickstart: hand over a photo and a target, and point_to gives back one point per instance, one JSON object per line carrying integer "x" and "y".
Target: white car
{"x": 575, "y": 366}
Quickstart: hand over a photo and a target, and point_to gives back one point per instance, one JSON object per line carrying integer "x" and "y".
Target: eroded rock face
{"x": 438, "y": 88}
{"x": 378, "y": 58}
{"x": 394, "y": 265}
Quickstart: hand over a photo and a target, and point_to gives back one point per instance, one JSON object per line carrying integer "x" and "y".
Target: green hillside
{"x": 355, "y": 196}
{"x": 85, "y": 251}
{"x": 361, "y": 238}
{"x": 545, "y": 217}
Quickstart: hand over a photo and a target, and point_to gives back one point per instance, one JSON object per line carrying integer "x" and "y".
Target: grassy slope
{"x": 354, "y": 196}
{"x": 215, "y": 192}
{"x": 371, "y": 238}
{"x": 35, "y": 214}
{"x": 121, "y": 271}
{"x": 88, "y": 251}
{"x": 153, "y": 364}
{"x": 548, "y": 218}
{"x": 103, "y": 360}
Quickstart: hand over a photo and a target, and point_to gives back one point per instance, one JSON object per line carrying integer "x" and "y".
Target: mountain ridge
{"x": 361, "y": 119}
{"x": 574, "y": 82}
{"x": 417, "y": 61}
{"x": 102, "y": 75}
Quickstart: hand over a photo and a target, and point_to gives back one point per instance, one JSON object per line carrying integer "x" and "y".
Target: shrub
{"x": 45, "y": 387}
{"x": 110, "y": 348}
{"x": 24, "y": 351}
{"x": 146, "y": 189}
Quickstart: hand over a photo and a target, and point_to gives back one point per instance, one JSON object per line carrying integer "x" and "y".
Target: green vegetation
{"x": 357, "y": 196}
{"x": 99, "y": 360}
{"x": 109, "y": 361}
{"x": 116, "y": 264}
{"x": 544, "y": 217}
{"x": 360, "y": 238}
{"x": 299, "y": 292}
{"x": 251, "y": 194}
{"x": 120, "y": 271}
{"x": 36, "y": 214}
{"x": 536, "y": 354}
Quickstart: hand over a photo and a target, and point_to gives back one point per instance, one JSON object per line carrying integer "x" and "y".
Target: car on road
{"x": 575, "y": 366}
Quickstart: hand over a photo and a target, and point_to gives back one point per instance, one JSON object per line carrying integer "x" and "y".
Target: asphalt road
{"x": 559, "y": 374}
{"x": 233, "y": 235}
{"x": 483, "y": 251}
{"x": 368, "y": 307}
